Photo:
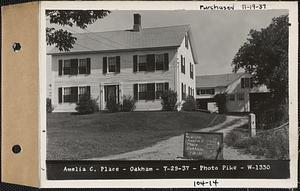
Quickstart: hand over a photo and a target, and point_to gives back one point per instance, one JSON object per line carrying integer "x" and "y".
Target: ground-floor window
{"x": 149, "y": 91}
{"x": 72, "y": 94}
{"x": 240, "y": 96}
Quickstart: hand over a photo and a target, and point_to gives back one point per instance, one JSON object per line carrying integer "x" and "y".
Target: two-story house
{"x": 140, "y": 62}
{"x": 237, "y": 86}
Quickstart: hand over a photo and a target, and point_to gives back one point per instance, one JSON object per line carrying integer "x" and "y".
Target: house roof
{"x": 220, "y": 80}
{"x": 169, "y": 36}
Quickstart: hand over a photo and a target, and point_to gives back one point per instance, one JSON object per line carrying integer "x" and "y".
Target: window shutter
{"x": 88, "y": 65}
{"x": 88, "y": 90}
{"x": 166, "y": 61}
{"x": 74, "y": 66}
{"x": 74, "y": 94}
{"x": 150, "y": 62}
{"x": 59, "y": 95}
{"x": 150, "y": 91}
{"x": 242, "y": 82}
{"x": 135, "y": 91}
{"x": 118, "y": 64}
{"x": 166, "y": 86}
{"x": 104, "y": 65}
{"x": 60, "y": 66}
{"x": 135, "y": 63}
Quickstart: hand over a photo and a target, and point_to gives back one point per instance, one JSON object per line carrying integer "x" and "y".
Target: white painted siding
{"x": 185, "y": 78}
{"x": 126, "y": 78}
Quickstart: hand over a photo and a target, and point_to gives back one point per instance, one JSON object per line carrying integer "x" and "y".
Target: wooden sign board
{"x": 205, "y": 146}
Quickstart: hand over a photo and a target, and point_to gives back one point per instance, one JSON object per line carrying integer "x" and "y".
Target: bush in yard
{"x": 128, "y": 103}
{"x": 169, "y": 100}
{"x": 189, "y": 104}
{"x": 86, "y": 105}
{"x": 49, "y": 105}
{"x": 221, "y": 102}
{"x": 111, "y": 105}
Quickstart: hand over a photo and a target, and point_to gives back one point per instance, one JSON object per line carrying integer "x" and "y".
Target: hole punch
{"x": 16, "y": 47}
{"x": 16, "y": 149}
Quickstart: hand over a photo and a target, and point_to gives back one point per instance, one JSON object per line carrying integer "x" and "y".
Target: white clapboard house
{"x": 237, "y": 87}
{"x": 140, "y": 62}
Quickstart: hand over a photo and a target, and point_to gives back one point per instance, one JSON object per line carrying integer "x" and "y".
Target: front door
{"x": 111, "y": 94}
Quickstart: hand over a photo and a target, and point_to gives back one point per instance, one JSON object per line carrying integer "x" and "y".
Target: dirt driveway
{"x": 172, "y": 148}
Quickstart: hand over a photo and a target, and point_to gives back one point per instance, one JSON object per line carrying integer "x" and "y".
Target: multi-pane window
{"x": 74, "y": 66}
{"x": 246, "y": 82}
{"x": 240, "y": 96}
{"x": 183, "y": 91}
{"x": 198, "y": 91}
{"x": 182, "y": 64}
{"x": 112, "y": 64}
{"x": 191, "y": 71}
{"x": 231, "y": 97}
{"x": 150, "y": 91}
{"x": 67, "y": 67}
{"x": 83, "y": 66}
{"x": 142, "y": 91}
{"x": 151, "y": 62}
{"x": 206, "y": 91}
{"x": 72, "y": 94}
{"x": 159, "y": 61}
{"x": 142, "y": 63}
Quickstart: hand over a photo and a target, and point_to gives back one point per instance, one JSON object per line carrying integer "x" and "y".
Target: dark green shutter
{"x": 59, "y": 95}
{"x": 166, "y": 86}
{"x": 88, "y": 90}
{"x": 74, "y": 94}
{"x": 74, "y": 66}
{"x": 150, "y": 91}
{"x": 135, "y": 91}
{"x": 150, "y": 62}
{"x": 242, "y": 82}
{"x": 60, "y": 67}
{"x": 135, "y": 63}
{"x": 104, "y": 65}
{"x": 118, "y": 64}
{"x": 166, "y": 61}
{"x": 88, "y": 65}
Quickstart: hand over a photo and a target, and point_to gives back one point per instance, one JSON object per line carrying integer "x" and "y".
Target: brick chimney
{"x": 137, "y": 22}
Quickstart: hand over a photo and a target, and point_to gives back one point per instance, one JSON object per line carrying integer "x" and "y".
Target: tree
{"x": 63, "y": 39}
{"x": 265, "y": 56}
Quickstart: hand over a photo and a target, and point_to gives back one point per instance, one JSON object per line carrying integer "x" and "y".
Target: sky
{"x": 218, "y": 35}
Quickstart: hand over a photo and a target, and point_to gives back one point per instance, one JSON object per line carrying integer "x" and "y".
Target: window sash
{"x": 67, "y": 67}
{"x": 112, "y": 64}
{"x": 159, "y": 61}
{"x": 82, "y": 66}
{"x": 160, "y": 88}
{"x": 142, "y": 63}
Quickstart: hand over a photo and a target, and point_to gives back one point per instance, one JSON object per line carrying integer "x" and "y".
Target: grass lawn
{"x": 71, "y": 137}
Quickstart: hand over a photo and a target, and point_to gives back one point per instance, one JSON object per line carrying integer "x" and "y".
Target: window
{"x": 67, "y": 67}
{"x": 198, "y": 91}
{"x": 240, "y": 96}
{"x": 83, "y": 68}
{"x": 183, "y": 91}
{"x": 84, "y": 90}
{"x": 186, "y": 41}
{"x": 159, "y": 61}
{"x": 231, "y": 97}
{"x": 246, "y": 83}
{"x": 159, "y": 90}
{"x": 142, "y": 91}
{"x": 191, "y": 71}
{"x": 112, "y": 63}
{"x": 182, "y": 64}
{"x": 151, "y": 62}
{"x": 74, "y": 66}
{"x": 207, "y": 91}
{"x": 143, "y": 63}
{"x": 70, "y": 94}
{"x": 149, "y": 91}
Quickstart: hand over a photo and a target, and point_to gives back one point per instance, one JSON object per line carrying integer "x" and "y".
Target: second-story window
{"x": 151, "y": 62}
{"x": 246, "y": 83}
{"x": 74, "y": 66}
{"x": 111, "y": 64}
{"x": 191, "y": 71}
{"x": 182, "y": 59}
